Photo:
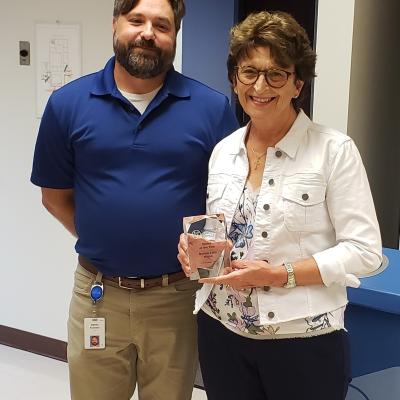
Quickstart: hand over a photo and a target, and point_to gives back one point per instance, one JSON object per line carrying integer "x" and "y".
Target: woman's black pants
{"x": 239, "y": 368}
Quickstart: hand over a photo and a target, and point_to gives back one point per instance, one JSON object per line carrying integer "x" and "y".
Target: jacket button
{"x": 305, "y": 196}
{"x": 278, "y": 153}
{"x": 266, "y": 207}
{"x": 271, "y": 182}
{"x": 267, "y": 288}
{"x": 264, "y": 235}
{"x": 271, "y": 315}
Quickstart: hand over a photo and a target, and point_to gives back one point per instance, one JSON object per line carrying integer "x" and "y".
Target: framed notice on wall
{"x": 58, "y": 61}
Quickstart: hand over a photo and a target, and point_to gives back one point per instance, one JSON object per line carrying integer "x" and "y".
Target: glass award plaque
{"x": 206, "y": 241}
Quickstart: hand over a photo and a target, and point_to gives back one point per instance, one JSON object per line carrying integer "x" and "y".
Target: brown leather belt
{"x": 133, "y": 282}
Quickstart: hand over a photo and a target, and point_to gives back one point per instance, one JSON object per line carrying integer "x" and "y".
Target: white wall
{"x": 334, "y": 46}
{"x": 37, "y": 253}
{"x": 38, "y": 256}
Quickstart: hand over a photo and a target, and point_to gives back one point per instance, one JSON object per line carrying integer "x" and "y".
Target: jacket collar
{"x": 289, "y": 144}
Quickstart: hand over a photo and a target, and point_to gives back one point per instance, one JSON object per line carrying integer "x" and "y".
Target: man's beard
{"x": 143, "y": 64}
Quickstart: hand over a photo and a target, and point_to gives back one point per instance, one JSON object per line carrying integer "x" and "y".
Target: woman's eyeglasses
{"x": 275, "y": 77}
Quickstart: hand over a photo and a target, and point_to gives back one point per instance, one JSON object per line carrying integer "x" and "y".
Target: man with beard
{"x": 121, "y": 157}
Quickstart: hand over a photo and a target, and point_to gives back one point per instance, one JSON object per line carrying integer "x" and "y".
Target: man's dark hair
{"x": 122, "y": 7}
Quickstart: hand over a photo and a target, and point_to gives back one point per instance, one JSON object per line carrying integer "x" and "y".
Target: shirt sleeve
{"x": 53, "y": 162}
{"x": 359, "y": 248}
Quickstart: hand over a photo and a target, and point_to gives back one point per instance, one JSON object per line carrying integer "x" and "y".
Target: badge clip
{"x": 97, "y": 289}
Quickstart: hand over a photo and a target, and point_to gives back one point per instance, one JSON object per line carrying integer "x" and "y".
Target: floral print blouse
{"x": 238, "y": 310}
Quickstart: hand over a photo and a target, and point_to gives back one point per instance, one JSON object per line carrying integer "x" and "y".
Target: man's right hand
{"x": 183, "y": 255}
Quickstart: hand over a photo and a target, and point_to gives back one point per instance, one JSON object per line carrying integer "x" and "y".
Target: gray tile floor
{"x": 25, "y": 375}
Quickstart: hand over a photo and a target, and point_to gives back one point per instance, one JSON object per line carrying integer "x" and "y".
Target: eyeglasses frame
{"x": 265, "y": 72}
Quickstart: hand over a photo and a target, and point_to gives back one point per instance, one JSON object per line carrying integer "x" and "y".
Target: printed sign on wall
{"x": 58, "y": 59}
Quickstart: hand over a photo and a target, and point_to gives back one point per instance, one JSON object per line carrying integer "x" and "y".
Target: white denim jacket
{"x": 314, "y": 201}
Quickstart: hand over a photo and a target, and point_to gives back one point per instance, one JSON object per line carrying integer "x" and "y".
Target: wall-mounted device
{"x": 24, "y": 53}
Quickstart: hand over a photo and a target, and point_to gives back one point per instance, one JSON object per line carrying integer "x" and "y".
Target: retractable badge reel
{"x": 94, "y": 327}
{"x": 96, "y": 291}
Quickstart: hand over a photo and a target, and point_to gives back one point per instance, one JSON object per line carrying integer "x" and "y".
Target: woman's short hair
{"x": 122, "y": 7}
{"x": 286, "y": 38}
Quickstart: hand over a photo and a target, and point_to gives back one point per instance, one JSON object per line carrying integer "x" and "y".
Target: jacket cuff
{"x": 332, "y": 270}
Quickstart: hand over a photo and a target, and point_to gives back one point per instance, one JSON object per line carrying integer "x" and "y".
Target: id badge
{"x": 95, "y": 333}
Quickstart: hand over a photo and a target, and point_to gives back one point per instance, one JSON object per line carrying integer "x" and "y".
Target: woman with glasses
{"x": 302, "y": 224}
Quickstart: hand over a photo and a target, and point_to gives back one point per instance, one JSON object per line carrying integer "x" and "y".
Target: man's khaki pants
{"x": 151, "y": 342}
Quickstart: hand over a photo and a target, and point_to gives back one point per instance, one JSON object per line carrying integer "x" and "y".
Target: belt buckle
{"x": 126, "y": 287}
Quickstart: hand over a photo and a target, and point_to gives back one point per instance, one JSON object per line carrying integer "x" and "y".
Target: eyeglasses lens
{"x": 275, "y": 78}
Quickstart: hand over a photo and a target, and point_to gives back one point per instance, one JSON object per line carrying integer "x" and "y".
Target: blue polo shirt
{"x": 134, "y": 176}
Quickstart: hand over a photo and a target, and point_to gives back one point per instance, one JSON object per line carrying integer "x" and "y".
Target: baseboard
{"x": 33, "y": 343}
{"x": 46, "y": 346}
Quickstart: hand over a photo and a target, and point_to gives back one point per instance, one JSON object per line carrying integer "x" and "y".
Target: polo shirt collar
{"x": 289, "y": 144}
{"x": 105, "y": 83}
{"x": 175, "y": 85}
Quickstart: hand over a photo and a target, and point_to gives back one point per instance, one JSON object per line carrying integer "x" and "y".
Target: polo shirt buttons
{"x": 271, "y": 315}
{"x": 266, "y": 207}
{"x": 138, "y": 128}
{"x": 305, "y": 196}
{"x": 271, "y": 182}
{"x": 278, "y": 154}
{"x": 264, "y": 234}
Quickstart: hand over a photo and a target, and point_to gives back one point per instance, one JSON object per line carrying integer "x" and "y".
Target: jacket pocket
{"x": 304, "y": 205}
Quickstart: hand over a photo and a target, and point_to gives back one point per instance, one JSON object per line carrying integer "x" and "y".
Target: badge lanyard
{"x": 94, "y": 328}
{"x": 96, "y": 292}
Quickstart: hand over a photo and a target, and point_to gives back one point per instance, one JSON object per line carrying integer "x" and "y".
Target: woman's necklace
{"x": 258, "y": 156}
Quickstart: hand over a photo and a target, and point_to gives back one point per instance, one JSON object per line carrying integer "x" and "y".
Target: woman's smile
{"x": 262, "y": 100}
